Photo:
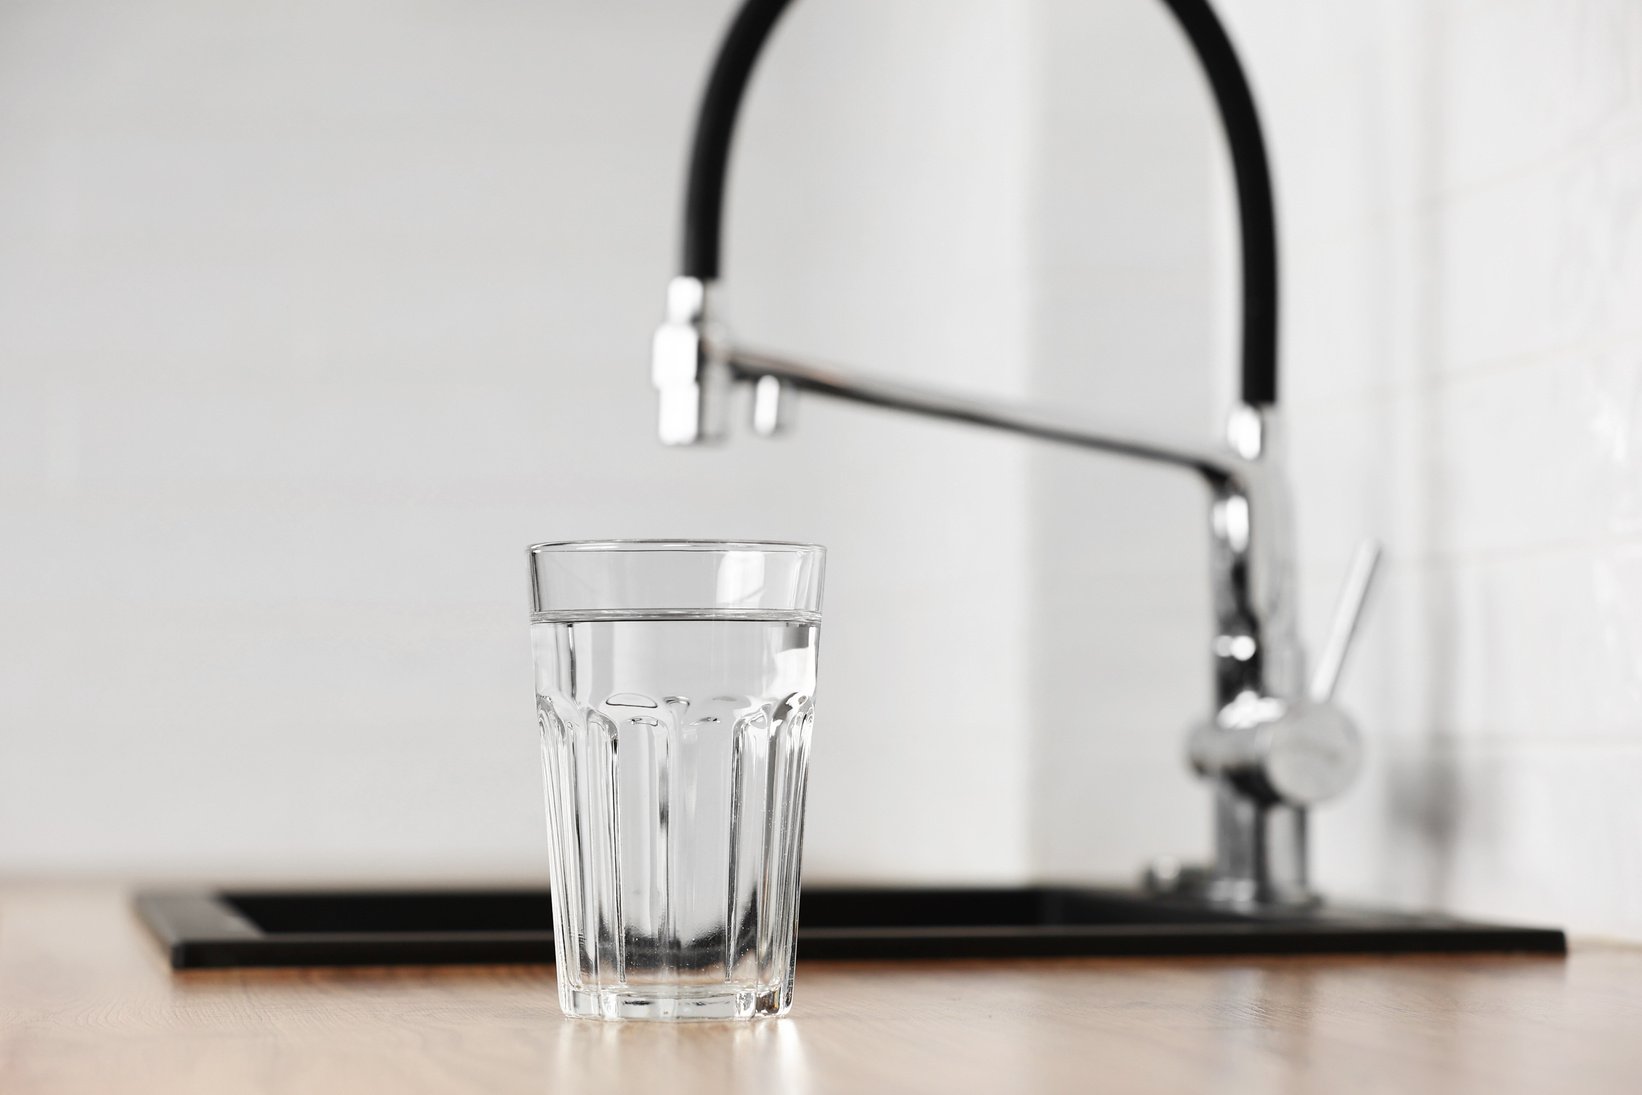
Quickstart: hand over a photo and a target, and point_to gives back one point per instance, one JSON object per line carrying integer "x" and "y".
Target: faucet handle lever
{"x": 1348, "y": 613}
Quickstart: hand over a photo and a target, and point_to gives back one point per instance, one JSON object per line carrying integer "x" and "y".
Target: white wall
{"x": 312, "y": 317}
{"x": 1461, "y": 188}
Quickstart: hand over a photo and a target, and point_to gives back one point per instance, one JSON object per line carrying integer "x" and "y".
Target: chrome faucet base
{"x": 1196, "y": 882}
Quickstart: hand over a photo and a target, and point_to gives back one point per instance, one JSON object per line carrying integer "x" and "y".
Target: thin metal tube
{"x": 1216, "y": 465}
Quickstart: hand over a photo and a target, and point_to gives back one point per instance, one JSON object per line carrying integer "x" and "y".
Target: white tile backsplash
{"x": 1493, "y": 269}
{"x": 1521, "y": 83}
{"x": 1462, "y": 373}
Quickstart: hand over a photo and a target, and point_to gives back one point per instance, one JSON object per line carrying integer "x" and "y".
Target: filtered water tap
{"x": 1275, "y": 745}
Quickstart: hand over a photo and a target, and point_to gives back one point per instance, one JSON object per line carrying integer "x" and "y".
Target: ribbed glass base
{"x": 677, "y": 1002}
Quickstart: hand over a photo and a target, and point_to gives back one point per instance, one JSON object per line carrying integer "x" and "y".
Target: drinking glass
{"x": 675, "y": 685}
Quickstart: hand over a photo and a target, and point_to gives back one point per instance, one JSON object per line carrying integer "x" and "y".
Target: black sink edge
{"x": 210, "y": 929}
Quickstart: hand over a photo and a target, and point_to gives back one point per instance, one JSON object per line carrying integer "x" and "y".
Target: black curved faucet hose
{"x": 1257, "y": 222}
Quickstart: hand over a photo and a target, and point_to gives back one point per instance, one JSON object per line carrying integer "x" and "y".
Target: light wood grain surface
{"x": 87, "y": 1005}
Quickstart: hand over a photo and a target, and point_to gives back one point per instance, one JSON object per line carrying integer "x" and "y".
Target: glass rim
{"x": 792, "y": 546}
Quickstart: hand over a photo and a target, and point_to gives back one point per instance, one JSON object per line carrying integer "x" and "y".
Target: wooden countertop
{"x": 88, "y": 1005}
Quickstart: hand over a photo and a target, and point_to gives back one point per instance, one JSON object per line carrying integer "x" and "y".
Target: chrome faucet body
{"x": 1271, "y": 749}
{"x": 1274, "y": 745}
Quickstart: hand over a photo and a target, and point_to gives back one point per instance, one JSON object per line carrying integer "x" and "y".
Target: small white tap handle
{"x": 1348, "y": 613}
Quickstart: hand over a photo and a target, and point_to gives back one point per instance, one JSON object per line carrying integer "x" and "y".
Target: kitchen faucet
{"x": 1276, "y": 744}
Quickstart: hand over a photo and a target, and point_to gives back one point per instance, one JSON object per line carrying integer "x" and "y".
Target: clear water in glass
{"x": 675, "y": 748}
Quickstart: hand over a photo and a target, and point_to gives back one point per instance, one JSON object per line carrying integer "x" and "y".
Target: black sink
{"x": 206, "y": 928}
